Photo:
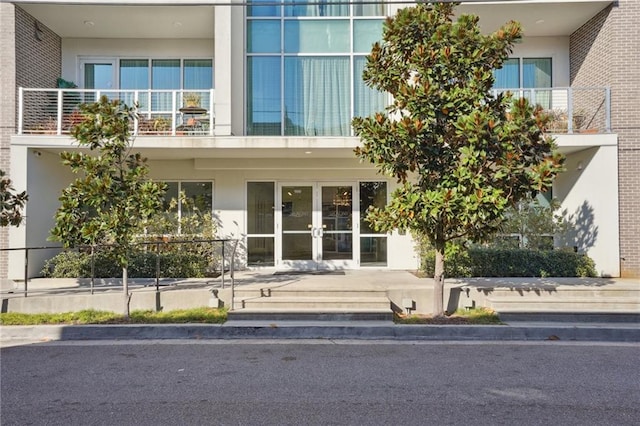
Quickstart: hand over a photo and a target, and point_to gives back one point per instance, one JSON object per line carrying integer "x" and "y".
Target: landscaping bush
{"x": 142, "y": 264}
{"x": 489, "y": 262}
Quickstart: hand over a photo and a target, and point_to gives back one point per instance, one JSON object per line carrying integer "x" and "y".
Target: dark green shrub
{"x": 67, "y": 264}
{"x": 488, "y": 262}
{"x": 142, "y": 264}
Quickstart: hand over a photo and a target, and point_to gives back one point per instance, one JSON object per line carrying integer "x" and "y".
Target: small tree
{"x": 12, "y": 202}
{"x": 461, "y": 154}
{"x": 113, "y": 195}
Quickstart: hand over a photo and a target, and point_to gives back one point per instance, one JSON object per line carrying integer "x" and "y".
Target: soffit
{"x": 538, "y": 18}
{"x": 100, "y": 21}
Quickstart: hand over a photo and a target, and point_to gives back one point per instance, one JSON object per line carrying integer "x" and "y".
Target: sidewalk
{"x": 360, "y": 330}
{"x": 602, "y": 309}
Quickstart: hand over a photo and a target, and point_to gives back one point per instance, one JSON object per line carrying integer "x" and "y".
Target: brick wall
{"x": 606, "y": 52}
{"x": 27, "y": 62}
{"x": 7, "y": 105}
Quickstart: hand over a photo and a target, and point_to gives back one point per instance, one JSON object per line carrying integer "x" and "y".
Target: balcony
{"x": 160, "y": 112}
{"x": 571, "y": 109}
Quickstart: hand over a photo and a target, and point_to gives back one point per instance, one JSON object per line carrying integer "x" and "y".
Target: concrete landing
{"x": 263, "y": 290}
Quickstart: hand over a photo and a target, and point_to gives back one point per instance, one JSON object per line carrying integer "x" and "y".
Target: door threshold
{"x": 310, "y": 272}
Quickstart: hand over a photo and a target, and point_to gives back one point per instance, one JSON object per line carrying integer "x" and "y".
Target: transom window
{"x": 304, "y": 67}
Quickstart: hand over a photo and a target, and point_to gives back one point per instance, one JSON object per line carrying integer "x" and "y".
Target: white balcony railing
{"x": 167, "y": 112}
{"x": 572, "y": 109}
{"x": 160, "y": 112}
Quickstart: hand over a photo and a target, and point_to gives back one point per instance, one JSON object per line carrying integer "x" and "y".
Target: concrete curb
{"x": 513, "y": 332}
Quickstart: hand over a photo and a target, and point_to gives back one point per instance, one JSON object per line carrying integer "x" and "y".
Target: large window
{"x": 260, "y": 223}
{"x": 187, "y": 206}
{"x": 304, "y": 67}
{"x": 527, "y": 73}
{"x": 373, "y": 244}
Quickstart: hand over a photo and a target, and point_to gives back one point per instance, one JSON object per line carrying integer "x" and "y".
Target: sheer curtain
{"x": 367, "y": 101}
{"x": 134, "y": 75}
{"x": 317, "y": 96}
{"x": 324, "y": 8}
{"x": 508, "y": 77}
{"x": 165, "y": 76}
{"x": 264, "y": 113}
{"x": 198, "y": 76}
{"x": 537, "y": 75}
{"x": 360, "y": 9}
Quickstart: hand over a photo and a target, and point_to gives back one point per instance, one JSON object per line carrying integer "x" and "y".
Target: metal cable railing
{"x": 160, "y": 112}
{"x": 227, "y": 260}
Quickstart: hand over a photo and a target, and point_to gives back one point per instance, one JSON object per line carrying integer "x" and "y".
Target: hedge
{"x": 142, "y": 264}
{"x": 488, "y": 262}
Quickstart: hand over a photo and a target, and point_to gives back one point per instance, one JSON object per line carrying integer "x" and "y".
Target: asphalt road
{"x": 319, "y": 383}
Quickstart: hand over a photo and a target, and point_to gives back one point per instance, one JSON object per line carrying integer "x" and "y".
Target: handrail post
{"x": 158, "y": 267}
{"x": 233, "y": 279}
{"x": 174, "y": 108}
{"x": 93, "y": 267}
{"x": 20, "y": 109}
{"x": 569, "y": 110}
{"x": 26, "y": 269}
{"x": 222, "y": 269}
{"x": 59, "y": 113}
{"x": 211, "y": 112}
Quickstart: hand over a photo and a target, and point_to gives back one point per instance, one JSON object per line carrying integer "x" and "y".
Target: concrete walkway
{"x": 503, "y": 294}
{"x": 56, "y": 294}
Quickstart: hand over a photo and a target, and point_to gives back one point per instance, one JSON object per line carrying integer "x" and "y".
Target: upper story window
{"x": 304, "y": 67}
{"x": 526, "y": 73}
{"x": 143, "y": 74}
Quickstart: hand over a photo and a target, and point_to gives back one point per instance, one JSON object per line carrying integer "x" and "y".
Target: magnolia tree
{"x": 12, "y": 202}
{"x": 112, "y": 196}
{"x": 461, "y": 154}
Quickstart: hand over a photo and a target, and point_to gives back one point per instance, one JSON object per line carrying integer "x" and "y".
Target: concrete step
{"x": 283, "y": 292}
{"x": 610, "y": 304}
{"x": 310, "y": 315}
{"x": 315, "y": 302}
{"x": 572, "y": 317}
{"x": 631, "y": 293}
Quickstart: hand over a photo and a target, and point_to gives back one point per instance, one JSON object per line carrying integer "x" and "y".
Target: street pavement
{"x": 319, "y": 382}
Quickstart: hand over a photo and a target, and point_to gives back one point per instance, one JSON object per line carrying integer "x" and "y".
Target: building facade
{"x": 247, "y": 109}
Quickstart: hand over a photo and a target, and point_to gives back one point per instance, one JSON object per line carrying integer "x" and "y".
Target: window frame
{"x": 116, "y": 62}
{"x": 281, "y": 54}
{"x": 179, "y": 206}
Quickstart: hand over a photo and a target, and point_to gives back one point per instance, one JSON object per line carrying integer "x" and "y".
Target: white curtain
{"x": 324, "y": 8}
{"x": 264, "y": 113}
{"x": 536, "y": 74}
{"x": 366, "y": 100}
{"x": 317, "y": 96}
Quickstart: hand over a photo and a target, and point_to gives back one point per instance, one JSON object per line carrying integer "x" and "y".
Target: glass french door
{"x": 316, "y": 226}
{"x": 98, "y": 74}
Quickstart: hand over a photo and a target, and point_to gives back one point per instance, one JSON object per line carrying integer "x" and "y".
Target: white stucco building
{"x": 269, "y": 148}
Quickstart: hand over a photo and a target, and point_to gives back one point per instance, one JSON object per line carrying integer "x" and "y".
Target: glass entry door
{"x": 316, "y": 226}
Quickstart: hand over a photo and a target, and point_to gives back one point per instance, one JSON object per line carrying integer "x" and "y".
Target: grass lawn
{"x": 477, "y": 316}
{"x": 90, "y": 316}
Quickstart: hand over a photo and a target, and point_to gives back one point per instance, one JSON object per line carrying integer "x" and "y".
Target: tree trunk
{"x": 125, "y": 289}
{"x": 438, "y": 282}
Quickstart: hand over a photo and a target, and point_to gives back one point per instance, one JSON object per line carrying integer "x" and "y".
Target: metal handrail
{"x": 580, "y": 109}
{"x": 223, "y": 241}
{"x": 51, "y": 111}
